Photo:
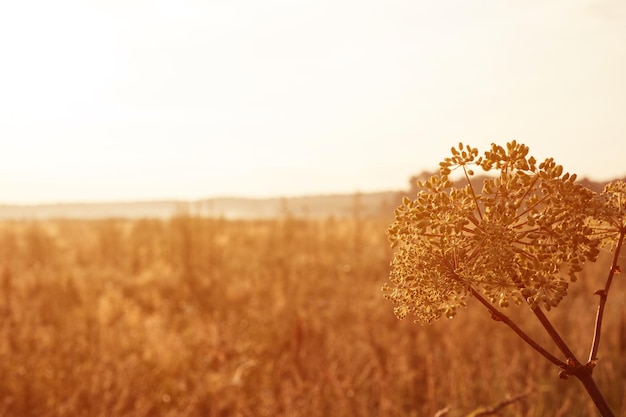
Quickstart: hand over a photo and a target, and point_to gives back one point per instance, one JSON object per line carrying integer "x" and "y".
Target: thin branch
{"x": 499, "y": 316}
{"x": 528, "y": 231}
{"x": 523, "y": 253}
{"x": 603, "y": 297}
{"x": 494, "y": 409}
{"x": 600, "y": 233}
{"x": 530, "y": 187}
{"x": 473, "y": 193}
{"x": 443, "y": 412}
{"x": 475, "y": 249}
{"x": 529, "y": 209}
{"x": 556, "y": 337}
{"x": 475, "y": 221}
{"x": 528, "y": 190}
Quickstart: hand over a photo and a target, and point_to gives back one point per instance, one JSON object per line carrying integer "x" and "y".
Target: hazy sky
{"x": 131, "y": 100}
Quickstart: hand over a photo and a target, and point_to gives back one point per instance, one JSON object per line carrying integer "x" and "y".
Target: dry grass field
{"x": 194, "y": 316}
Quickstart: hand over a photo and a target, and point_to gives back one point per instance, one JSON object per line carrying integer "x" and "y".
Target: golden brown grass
{"x": 208, "y": 317}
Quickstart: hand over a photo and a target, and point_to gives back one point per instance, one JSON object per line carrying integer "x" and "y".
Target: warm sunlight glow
{"x": 190, "y": 99}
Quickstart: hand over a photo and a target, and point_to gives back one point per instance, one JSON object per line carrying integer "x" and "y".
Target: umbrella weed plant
{"x": 520, "y": 239}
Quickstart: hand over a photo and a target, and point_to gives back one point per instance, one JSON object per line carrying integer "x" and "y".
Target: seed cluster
{"x": 520, "y": 238}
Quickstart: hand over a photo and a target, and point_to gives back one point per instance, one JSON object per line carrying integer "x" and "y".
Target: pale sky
{"x": 135, "y": 100}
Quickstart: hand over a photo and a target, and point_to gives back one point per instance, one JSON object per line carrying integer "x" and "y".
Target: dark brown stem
{"x": 595, "y": 394}
{"x": 556, "y": 337}
{"x": 572, "y": 367}
{"x": 499, "y": 316}
{"x": 603, "y": 296}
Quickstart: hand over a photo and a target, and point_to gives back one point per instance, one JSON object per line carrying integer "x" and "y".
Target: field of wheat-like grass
{"x": 194, "y": 316}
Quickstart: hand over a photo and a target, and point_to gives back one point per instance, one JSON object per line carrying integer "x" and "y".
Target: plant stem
{"x": 595, "y": 394}
{"x": 499, "y": 316}
{"x": 582, "y": 372}
{"x": 574, "y": 367}
{"x": 558, "y": 340}
{"x": 603, "y": 296}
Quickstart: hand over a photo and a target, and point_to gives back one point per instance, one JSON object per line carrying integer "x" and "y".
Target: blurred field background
{"x": 199, "y": 316}
{"x": 115, "y": 304}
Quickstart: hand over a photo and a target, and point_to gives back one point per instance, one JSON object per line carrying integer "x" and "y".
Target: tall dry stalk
{"x": 521, "y": 238}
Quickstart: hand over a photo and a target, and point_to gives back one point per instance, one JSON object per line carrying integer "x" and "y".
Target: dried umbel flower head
{"x": 521, "y": 238}
{"x": 612, "y": 219}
